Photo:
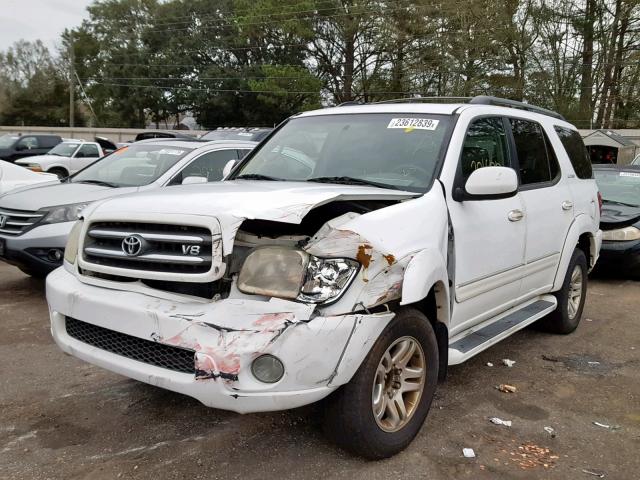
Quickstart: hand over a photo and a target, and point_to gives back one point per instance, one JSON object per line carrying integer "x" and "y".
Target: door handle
{"x": 515, "y": 215}
{"x": 567, "y": 205}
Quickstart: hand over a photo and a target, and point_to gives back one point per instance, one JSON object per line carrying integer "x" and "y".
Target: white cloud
{"x": 39, "y": 19}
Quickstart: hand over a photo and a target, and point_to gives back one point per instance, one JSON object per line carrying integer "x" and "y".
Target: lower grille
{"x": 146, "y": 351}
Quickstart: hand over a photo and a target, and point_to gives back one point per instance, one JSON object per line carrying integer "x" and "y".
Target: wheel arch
{"x": 582, "y": 236}
{"x": 426, "y": 288}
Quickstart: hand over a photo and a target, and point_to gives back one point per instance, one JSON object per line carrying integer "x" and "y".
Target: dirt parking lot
{"x": 62, "y": 418}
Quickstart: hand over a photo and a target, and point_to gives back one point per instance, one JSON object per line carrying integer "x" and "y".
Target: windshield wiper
{"x": 98, "y": 182}
{"x": 351, "y": 181}
{"x": 615, "y": 202}
{"x": 257, "y": 176}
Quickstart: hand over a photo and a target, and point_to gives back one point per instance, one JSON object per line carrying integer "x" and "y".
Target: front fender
{"x": 426, "y": 270}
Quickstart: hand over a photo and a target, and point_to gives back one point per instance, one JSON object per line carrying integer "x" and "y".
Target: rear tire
{"x": 571, "y": 298}
{"x": 381, "y": 410}
{"x": 60, "y": 172}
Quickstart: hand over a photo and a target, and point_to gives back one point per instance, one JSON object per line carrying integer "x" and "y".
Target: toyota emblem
{"x": 3, "y": 221}
{"x": 132, "y": 245}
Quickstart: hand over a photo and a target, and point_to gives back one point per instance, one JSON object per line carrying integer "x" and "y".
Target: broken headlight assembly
{"x": 292, "y": 273}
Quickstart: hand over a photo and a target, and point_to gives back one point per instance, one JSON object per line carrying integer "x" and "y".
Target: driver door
{"x": 489, "y": 235}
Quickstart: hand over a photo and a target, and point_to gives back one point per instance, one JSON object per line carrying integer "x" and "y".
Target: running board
{"x": 499, "y": 327}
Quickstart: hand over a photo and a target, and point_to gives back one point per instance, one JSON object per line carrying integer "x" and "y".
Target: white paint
{"x": 492, "y": 181}
{"x": 13, "y": 177}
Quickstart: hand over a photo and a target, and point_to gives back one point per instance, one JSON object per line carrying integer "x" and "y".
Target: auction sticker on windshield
{"x": 629, "y": 174}
{"x": 414, "y": 123}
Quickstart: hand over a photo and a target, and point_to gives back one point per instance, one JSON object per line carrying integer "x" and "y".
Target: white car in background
{"x": 68, "y": 157}
{"x": 13, "y": 176}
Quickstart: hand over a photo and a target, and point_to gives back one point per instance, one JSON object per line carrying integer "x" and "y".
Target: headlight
{"x": 73, "y": 240}
{"x": 64, "y": 213}
{"x": 34, "y": 167}
{"x": 291, "y": 273}
{"x": 327, "y": 278}
{"x": 621, "y": 234}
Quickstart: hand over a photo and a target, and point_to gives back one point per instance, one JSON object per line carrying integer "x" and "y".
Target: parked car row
{"x": 351, "y": 256}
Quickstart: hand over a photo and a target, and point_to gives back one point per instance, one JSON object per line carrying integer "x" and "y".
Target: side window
{"x": 27, "y": 143}
{"x": 208, "y": 165}
{"x": 242, "y": 153}
{"x": 577, "y": 152}
{"x": 88, "y": 150}
{"x": 48, "y": 141}
{"x": 535, "y": 156}
{"x": 485, "y": 145}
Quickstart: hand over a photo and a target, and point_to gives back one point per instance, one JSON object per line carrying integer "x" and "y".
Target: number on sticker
{"x": 414, "y": 123}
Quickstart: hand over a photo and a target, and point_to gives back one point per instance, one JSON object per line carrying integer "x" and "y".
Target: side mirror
{"x": 193, "y": 180}
{"x": 227, "y": 168}
{"x": 489, "y": 183}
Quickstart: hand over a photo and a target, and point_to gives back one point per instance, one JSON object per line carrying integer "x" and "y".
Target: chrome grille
{"x": 16, "y": 222}
{"x": 164, "y": 248}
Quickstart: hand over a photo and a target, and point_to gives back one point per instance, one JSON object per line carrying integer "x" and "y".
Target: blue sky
{"x": 39, "y": 19}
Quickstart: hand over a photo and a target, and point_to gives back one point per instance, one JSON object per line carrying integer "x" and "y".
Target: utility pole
{"x": 72, "y": 76}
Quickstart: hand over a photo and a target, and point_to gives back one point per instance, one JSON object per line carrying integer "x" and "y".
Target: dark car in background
{"x": 232, "y": 133}
{"x": 13, "y": 147}
{"x": 162, "y": 134}
{"x": 620, "y": 220}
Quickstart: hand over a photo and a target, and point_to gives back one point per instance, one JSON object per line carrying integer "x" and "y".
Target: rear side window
{"x": 536, "y": 159}
{"x": 577, "y": 152}
{"x": 485, "y": 145}
{"x": 49, "y": 141}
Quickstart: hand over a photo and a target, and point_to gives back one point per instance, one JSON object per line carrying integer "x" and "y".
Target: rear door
{"x": 548, "y": 205}
{"x": 581, "y": 183}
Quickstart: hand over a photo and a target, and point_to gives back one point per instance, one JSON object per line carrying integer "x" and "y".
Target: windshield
{"x": 132, "y": 166}
{"x": 64, "y": 149}
{"x": 636, "y": 161}
{"x": 391, "y": 150}
{"x": 619, "y": 186}
{"x": 7, "y": 140}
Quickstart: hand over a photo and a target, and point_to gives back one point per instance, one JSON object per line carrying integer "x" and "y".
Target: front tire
{"x": 381, "y": 410}
{"x": 60, "y": 172}
{"x": 571, "y": 298}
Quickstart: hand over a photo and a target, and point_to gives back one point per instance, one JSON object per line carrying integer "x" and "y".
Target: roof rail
{"x": 503, "y": 102}
{"x": 424, "y": 99}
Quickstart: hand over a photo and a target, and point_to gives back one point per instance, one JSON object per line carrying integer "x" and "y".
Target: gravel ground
{"x": 62, "y": 418}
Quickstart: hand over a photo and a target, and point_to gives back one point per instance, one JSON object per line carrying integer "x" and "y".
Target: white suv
{"x": 354, "y": 254}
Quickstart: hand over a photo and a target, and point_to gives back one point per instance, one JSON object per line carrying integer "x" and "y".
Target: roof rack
{"x": 477, "y": 100}
{"x": 424, "y": 99}
{"x": 503, "y": 102}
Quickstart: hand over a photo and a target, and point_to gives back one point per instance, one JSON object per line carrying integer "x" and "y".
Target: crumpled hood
{"x": 618, "y": 216}
{"x": 287, "y": 202}
{"x": 41, "y": 196}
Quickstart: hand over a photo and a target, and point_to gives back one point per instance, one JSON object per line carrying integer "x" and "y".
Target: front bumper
{"x": 620, "y": 256}
{"x": 29, "y": 250}
{"x": 319, "y": 353}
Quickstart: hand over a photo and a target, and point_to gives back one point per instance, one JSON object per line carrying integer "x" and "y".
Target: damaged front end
{"x": 289, "y": 307}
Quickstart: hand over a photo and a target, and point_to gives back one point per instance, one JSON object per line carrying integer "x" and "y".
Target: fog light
{"x": 55, "y": 255}
{"x": 267, "y": 369}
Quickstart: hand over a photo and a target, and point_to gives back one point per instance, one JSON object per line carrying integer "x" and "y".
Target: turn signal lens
{"x": 73, "y": 240}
